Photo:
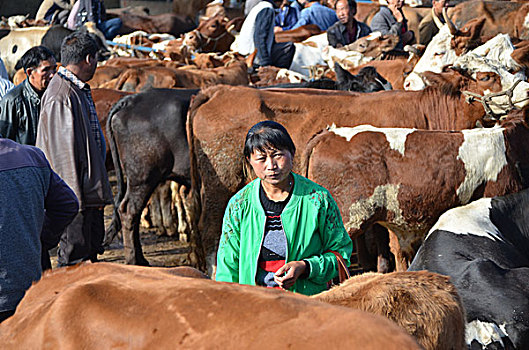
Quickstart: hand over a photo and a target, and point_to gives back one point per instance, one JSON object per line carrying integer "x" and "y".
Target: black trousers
{"x": 82, "y": 239}
{"x": 282, "y": 54}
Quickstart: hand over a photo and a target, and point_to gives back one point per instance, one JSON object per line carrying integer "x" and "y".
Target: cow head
{"x": 468, "y": 37}
{"x": 367, "y": 80}
{"x": 453, "y": 81}
{"x": 374, "y": 44}
{"x": 210, "y": 36}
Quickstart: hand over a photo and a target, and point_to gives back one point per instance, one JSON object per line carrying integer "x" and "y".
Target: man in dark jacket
{"x": 71, "y": 138}
{"x": 347, "y": 30}
{"x": 20, "y": 107}
{"x": 35, "y": 207}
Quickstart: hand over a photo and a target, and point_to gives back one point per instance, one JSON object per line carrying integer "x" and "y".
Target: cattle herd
{"x": 425, "y": 151}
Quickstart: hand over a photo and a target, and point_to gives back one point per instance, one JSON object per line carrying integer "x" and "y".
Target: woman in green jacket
{"x": 281, "y": 229}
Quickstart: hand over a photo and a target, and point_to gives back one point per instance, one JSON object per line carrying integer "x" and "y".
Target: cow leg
{"x": 166, "y": 209}
{"x": 365, "y": 257}
{"x": 130, "y": 212}
{"x": 178, "y": 193}
{"x": 394, "y": 246}
{"x": 155, "y": 211}
{"x": 381, "y": 236}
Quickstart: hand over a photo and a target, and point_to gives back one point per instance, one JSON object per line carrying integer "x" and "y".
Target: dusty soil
{"x": 160, "y": 251}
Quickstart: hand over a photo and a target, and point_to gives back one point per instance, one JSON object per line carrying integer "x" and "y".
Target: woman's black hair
{"x": 266, "y": 135}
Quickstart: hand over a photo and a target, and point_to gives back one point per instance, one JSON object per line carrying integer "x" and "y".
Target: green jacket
{"x": 312, "y": 224}
{"x": 19, "y": 114}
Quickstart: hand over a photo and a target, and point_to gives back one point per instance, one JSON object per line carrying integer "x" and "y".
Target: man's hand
{"x": 287, "y": 275}
{"x": 397, "y": 12}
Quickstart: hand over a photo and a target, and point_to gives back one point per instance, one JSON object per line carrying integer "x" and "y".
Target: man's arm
{"x": 8, "y": 119}
{"x": 263, "y": 22}
{"x": 61, "y": 208}
{"x": 304, "y": 19}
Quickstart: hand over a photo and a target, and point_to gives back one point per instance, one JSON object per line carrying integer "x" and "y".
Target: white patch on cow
{"x": 292, "y": 77}
{"x": 484, "y": 332}
{"x": 483, "y": 154}
{"x": 526, "y": 21}
{"x": 346, "y": 58}
{"x": 438, "y": 54}
{"x": 471, "y": 219}
{"x": 384, "y": 196}
{"x": 309, "y": 53}
{"x": 395, "y": 136}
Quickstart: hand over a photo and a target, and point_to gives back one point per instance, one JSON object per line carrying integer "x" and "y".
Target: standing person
{"x": 70, "y": 135}
{"x": 280, "y": 230}
{"x": 257, "y": 32}
{"x": 54, "y": 11}
{"x": 20, "y": 108}
{"x": 316, "y": 13}
{"x": 35, "y": 207}
{"x": 94, "y": 11}
{"x": 430, "y": 24}
{"x": 347, "y": 30}
{"x": 391, "y": 20}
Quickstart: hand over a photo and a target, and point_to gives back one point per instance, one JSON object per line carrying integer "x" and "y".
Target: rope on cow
{"x": 209, "y": 39}
{"x": 486, "y": 101}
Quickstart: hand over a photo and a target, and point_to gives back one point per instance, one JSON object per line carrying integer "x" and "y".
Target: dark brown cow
{"x": 100, "y": 307}
{"x": 404, "y": 179}
{"x": 144, "y": 78}
{"x": 507, "y": 17}
{"x": 216, "y": 138}
{"x": 297, "y": 35}
{"x": 169, "y": 23}
{"x": 425, "y": 304}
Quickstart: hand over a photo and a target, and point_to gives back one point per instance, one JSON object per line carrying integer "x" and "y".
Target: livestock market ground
{"x": 162, "y": 251}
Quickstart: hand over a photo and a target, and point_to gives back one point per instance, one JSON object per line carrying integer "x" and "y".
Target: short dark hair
{"x": 33, "y": 57}
{"x": 267, "y": 134}
{"x": 76, "y": 46}
{"x": 351, "y": 3}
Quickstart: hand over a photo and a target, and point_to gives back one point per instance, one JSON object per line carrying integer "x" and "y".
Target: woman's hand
{"x": 287, "y": 275}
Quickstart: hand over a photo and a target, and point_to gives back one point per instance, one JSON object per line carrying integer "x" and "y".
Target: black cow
{"x": 147, "y": 138}
{"x": 484, "y": 248}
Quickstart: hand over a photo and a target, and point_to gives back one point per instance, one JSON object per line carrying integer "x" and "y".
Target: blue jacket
{"x": 35, "y": 207}
{"x": 320, "y": 15}
{"x": 287, "y": 17}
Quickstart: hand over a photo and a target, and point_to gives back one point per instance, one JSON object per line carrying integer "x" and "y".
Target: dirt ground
{"x": 162, "y": 251}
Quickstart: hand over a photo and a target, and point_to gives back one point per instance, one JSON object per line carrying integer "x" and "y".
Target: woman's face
{"x": 272, "y": 166}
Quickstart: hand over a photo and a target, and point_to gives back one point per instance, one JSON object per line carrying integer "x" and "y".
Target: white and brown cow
{"x": 404, "y": 179}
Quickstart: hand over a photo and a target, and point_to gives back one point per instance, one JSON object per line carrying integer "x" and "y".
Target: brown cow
{"x": 404, "y": 179}
{"x": 100, "y": 307}
{"x": 169, "y": 23}
{"x": 212, "y": 35}
{"x": 216, "y": 138}
{"x": 297, "y": 35}
{"x": 507, "y": 17}
{"x": 143, "y": 78}
{"x": 425, "y": 304}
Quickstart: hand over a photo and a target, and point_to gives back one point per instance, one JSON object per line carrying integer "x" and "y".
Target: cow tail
{"x": 307, "y": 152}
{"x": 115, "y": 225}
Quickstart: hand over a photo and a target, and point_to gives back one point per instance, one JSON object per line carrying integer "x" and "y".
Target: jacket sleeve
{"x": 61, "y": 208}
{"x": 8, "y": 118}
{"x": 56, "y": 137}
{"x": 380, "y": 24}
{"x": 229, "y": 246}
{"x": 332, "y": 38}
{"x": 263, "y": 22}
{"x": 303, "y": 19}
{"x": 324, "y": 267}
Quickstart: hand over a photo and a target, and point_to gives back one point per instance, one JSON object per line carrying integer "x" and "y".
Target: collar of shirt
{"x": 65, "y": 73}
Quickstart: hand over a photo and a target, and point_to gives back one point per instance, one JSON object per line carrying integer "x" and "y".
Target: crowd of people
{"x": 281, "y": 230}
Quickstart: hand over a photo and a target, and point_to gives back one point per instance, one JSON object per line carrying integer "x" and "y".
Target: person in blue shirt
{"x": 316, "y": 13}
{"x": 287, "y": 15}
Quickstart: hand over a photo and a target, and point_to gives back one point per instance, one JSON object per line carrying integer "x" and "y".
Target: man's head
{"x": 345, "y": 10}
{"x": 438, "y": 6}
{"x": 396, "y": 3}
{"x": 78, "y": 54}
{"x": 40, "y": 65}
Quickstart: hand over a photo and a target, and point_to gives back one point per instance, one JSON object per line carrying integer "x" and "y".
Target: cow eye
{"x": 439, "y": 54}
{"x": 485, "y": 78}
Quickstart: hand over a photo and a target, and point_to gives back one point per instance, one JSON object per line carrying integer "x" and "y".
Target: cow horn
{"x": 451, "y": 25}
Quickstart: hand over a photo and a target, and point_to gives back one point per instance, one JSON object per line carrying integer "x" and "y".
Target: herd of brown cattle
{"x": 392, "y": 159}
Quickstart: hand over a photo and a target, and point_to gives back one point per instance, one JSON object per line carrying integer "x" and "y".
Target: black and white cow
{"x": 484, "y": 248}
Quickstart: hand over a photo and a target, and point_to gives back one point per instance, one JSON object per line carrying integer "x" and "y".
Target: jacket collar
{"x": 30, "y": 92}
{"x": 292, "y": 203}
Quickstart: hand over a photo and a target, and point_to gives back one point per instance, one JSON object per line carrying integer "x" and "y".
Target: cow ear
{"x": 521, "y": 54}
{"x": 342, "y": 75}
{"x": 475, "y": 29}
